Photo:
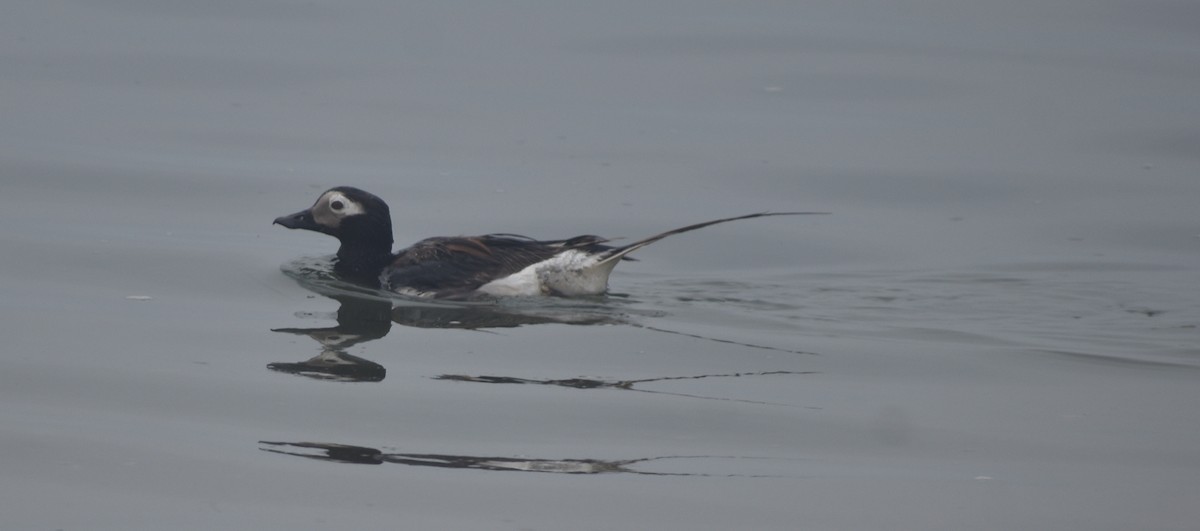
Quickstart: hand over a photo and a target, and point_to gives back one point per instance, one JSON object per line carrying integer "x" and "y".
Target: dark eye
{"x": 337, "y": 205}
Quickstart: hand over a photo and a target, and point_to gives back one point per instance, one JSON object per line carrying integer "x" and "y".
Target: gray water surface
{"x": 995, "y": 329}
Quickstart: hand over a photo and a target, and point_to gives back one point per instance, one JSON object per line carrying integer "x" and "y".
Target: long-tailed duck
{"x": 465, "y": 266}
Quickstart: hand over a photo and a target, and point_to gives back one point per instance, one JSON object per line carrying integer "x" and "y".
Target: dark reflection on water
{"x": 358, "y": 320}
{"x": 626, "y": 385}
{"x": 361, "y": 319}
{"x": 362, "y": 455}
{"x": 334, "y": 365}
{"x": 365, "y": 315}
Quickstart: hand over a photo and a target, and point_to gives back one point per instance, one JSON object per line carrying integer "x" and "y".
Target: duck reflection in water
{"x": 362, "y": 455}
{"x": 362, "y": 318}
{"x": 365, "y": 315}
{"x": 358, "y": 321}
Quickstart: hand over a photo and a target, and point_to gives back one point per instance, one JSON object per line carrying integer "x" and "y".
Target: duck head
{"x": 360, "y": 221}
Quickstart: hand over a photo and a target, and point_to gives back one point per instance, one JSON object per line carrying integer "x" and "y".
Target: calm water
{"x": 996, "y": 328}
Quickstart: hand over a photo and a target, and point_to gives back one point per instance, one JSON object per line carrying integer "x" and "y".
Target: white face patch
{"x": 332, "y": 207}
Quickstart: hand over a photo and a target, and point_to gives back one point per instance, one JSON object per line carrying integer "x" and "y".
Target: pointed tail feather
{"x": 619, "y": 252}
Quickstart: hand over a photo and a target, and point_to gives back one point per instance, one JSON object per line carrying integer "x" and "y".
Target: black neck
{"x": 362, "y": 264}
{"x": 366, "y": 247}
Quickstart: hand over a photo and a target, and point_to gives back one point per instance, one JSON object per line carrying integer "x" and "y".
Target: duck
{"x": 466, "y": 267}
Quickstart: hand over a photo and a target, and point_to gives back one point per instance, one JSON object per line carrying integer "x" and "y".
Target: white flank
{"x": 523, "y": 283}
{"x": 570, "y": 273}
